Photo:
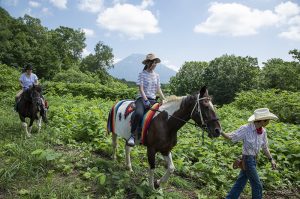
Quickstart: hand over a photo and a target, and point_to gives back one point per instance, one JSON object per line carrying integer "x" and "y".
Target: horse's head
{"x": 34, "y": 94}
{"x": 204, "y": 114}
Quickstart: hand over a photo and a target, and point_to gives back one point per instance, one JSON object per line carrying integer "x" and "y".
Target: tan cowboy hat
{"x": 262, "y": 114}
{"x": 151, "y": 57}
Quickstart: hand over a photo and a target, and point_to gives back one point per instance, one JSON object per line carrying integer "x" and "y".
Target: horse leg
{"x": 115, "y": 145}
{"x": 30, "y": 126}
{"x": 24, "y": 125}
{"x": 169, "y": 171}
{"x": 127, "y": 157}
{"x": 151, "y": 161}
{"x": 39, "y": 124}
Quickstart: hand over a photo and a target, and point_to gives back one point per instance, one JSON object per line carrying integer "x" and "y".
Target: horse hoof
{"x": 156, "y": 184}
{"x": 28, "y": 135}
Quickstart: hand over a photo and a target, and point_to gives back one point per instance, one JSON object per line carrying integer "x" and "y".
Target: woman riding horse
{"x": 27, "y": 79}
{"x": 161, "y": 135}
{"x": 149, "y": 85}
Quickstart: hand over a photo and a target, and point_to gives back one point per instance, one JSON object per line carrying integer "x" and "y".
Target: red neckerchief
{"x": 259, "y": 130}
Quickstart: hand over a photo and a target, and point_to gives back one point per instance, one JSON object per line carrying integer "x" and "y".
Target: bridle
{"x": 36, "y": 98}
{"x": 197, "y": 104}
{"x": 203, "y": 122}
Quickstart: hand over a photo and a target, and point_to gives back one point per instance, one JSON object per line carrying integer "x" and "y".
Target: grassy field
{"x": 71, "y": 157}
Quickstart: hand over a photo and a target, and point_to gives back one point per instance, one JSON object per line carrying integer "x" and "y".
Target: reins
{"x": 204, "y": 125}
{"x": 156, "y": 110}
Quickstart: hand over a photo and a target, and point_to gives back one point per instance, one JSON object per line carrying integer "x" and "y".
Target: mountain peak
{"x": 129, "y": 68}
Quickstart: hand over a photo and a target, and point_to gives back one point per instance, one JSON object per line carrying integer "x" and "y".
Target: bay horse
{"x": 162, "y": 132}
{"x": 30, "y": 106}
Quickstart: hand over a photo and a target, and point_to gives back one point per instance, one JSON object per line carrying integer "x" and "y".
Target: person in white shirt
{"x": 27, "y": 79}
{"x": 254, "y": 137}
{"x": 149, "y": 85}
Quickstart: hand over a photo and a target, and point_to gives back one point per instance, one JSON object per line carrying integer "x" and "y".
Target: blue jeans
{"x": 138, "y": 114}
{"x": 251, "y": 174}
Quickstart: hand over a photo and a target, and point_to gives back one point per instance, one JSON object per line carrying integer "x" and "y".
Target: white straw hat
{"x": 151, "y": 57}
{"x": 262, "y": 114}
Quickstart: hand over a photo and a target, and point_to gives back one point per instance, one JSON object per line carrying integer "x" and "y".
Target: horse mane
{"x": 173, "y": 98}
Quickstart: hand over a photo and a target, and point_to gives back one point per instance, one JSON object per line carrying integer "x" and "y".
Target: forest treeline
{"x": 57, "y": 59}
{"x": 26, "y": 41}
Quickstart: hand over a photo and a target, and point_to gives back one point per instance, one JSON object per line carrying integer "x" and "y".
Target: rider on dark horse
{"x": 149, "y": 85}
{"x": 28, "y": 79}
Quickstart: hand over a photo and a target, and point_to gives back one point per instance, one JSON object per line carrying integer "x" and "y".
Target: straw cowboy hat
{"x": 262, "y": 114}
{"x": 151, "y": 57}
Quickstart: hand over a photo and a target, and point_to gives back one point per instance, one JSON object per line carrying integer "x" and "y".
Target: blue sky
{"x": 175, "y": 30}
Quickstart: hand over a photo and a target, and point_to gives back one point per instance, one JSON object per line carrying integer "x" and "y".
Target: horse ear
{"x": 203, "y": 91}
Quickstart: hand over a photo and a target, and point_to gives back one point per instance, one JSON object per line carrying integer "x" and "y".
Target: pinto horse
{"x": 162, "y": 132}
{"x": 30, "y": 106}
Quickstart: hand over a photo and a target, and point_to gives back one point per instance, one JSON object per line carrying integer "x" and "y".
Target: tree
{"x": 227, "y": 75}
{"x": 69, "y": 44}
{"x": 281, "y": 75}
{"x": 189, "y": 78}
{"x": 100, "y": 61}
{"x": 295, "y": 54}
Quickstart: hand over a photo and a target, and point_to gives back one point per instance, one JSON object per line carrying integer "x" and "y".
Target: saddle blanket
{"x": 116, "y": 114}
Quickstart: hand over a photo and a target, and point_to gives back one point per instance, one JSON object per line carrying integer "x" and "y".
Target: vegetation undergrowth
{"x": 71, "y": 157}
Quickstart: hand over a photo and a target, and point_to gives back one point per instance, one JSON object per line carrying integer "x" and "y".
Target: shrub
{"x": 73, "y": 76}
{"x": 90, "y": 90}
{"x": 285, "y": 104}
{"x": 9, "y": 78}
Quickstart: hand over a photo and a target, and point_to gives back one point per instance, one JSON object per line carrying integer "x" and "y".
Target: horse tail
{"x": 111, "y": 120}
{"x": 110, "y": 123}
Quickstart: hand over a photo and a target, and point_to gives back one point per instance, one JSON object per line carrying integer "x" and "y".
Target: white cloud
{"x": 93, "y": 6}
{"x": 34, "y": 4}
{"x": 88, "y": 32}
{"x": 293, "y": 31}
{"x": 130, "y": 20}
{"x": 235, "y": 19}
{"x": 289, "y": 14}
{"x": 61, "y": 4}
{"x": 287, "y": 9}
{"x": 46, "y": 11}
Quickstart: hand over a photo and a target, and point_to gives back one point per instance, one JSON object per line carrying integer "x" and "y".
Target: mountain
{"x": 129, "y": 68}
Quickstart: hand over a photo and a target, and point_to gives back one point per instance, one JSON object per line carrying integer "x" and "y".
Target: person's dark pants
{"x": 251, "y": 174}
{"x": 137, "y": 117}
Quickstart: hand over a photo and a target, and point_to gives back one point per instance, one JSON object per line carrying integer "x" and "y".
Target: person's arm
{"x": 36, "y": 80}
{"x": 226, "y": 136}
{"x": 269, "y": 156}
{"x": 161, "y": 95}
{"x": 266, "y": 151}
{"x": 21, "y": 83}
{"x": 141, "y": 89}
{"x": 237, "y": 135}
